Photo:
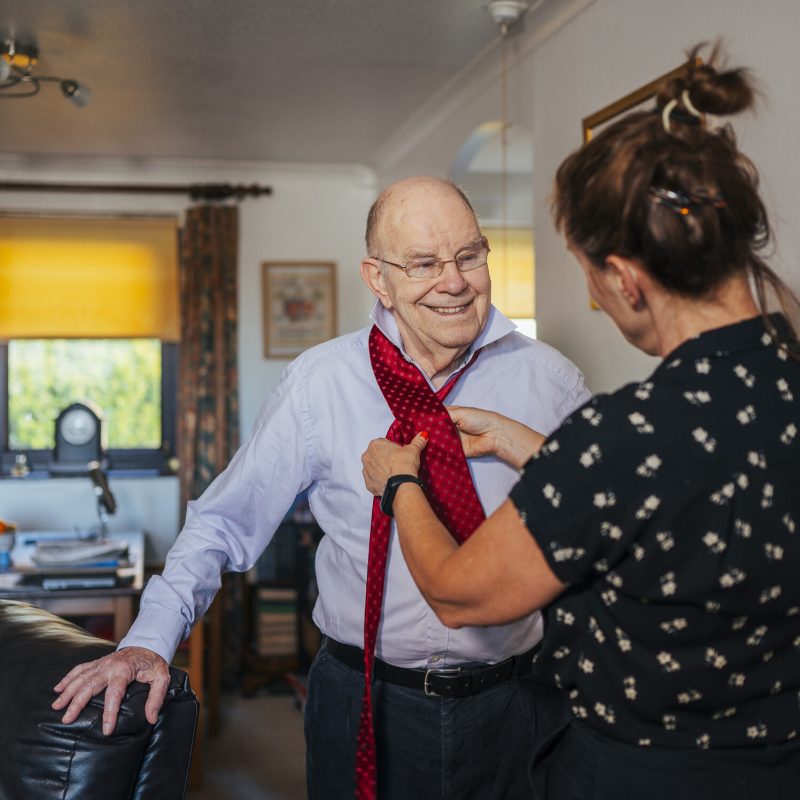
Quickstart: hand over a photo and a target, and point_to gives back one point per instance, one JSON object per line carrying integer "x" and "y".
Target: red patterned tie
{"x": 448, "y": 487}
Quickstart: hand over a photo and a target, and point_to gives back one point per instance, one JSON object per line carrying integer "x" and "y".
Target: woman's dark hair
{"x": 661, "y": 188}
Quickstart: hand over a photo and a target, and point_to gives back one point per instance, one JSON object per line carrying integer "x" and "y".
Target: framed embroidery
{"x": 299, "y": 305}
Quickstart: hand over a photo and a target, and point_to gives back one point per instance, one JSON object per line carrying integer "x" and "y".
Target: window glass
{"x": 121, "y": 378}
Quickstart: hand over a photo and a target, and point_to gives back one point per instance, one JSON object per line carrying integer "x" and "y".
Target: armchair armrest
{"x": 41, "y": 758}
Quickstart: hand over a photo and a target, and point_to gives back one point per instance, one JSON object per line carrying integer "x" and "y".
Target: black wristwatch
{"x": 389, "y": 491}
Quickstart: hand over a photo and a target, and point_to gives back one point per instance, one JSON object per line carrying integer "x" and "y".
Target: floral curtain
{"x": 208, "y": 402}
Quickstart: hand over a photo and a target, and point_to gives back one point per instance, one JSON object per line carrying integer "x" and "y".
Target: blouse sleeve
{"x": 592, "y": 487}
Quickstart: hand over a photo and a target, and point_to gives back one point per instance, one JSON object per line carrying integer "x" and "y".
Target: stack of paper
{"x": 78, "y": 552}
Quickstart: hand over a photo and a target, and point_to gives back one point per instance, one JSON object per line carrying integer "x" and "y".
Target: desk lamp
{"x": 106, "y": 504}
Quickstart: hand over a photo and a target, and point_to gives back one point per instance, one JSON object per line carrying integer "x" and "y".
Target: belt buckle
{"x": 447, "y": 671}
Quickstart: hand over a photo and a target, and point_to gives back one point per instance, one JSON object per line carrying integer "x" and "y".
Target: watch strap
{"x": 389, "y": 491}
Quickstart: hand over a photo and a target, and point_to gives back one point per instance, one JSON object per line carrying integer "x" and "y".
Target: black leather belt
{"x": 449, "y": 682}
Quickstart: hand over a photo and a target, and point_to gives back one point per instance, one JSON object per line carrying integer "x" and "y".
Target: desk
{"x": 116, "y": 602}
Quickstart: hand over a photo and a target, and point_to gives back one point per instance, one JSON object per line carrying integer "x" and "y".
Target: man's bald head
{"x": 399, "y": 192}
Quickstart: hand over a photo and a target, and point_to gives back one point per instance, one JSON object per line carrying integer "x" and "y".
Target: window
{"x": 88, "y": 313}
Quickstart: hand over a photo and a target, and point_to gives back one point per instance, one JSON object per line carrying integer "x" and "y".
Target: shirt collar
{"x": 746, "y": 335}
{"x": 497, "y": 326}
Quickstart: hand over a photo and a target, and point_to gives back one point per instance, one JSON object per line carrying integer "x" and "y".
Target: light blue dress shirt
{"x": 311, "y": 433}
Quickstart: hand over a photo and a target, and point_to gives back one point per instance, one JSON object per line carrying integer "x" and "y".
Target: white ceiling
{"x": 270, "y": 80}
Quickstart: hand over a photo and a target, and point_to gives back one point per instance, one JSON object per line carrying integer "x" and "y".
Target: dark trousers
{"x": 429, "y": 748}
{"x": 583, "y": 764}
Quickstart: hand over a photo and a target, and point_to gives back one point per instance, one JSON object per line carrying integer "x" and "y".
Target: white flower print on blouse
{"x": 747, "y": 377}
{"x": 702, "y": 366}
{"x": 568, "y": 553}
{"x": 586, "y": 665}
{"x": 789, "y": 432}
{"x": 649, "y": 467}
{"x": 697, "y": 398}
{"x": 623, "y": 640}
{"x": 605, "y": 712}
{"x": 666, "y": 541}
{"x": 702, "y": 437}
{"x": 715, "y": 658}
{"x": 773, "y": 552}
{"x": 549, "y": 491}
{"x": 643, "y": 390}
{"x": 592, "y": 416}
{"x": 757, "y": 636}
{"x": 714, "y": 543}
{"x": 783, "y": 388}
{"x": 591, "y": 455}
{"x": 648, "y": 507}
{"x": 690, "y": 696}
{"x": 639, "y": 421}
{"x": 758, "y": 731}
{"x": 604, "y": 499}
{"x": 673, "y": 626}
{"x": 746, "y": 415}
{"x": 770, "y": 594}
{"x": 731, "y": 577}
{"x": 609, "y": 529}
{"x": 668, "y": 584}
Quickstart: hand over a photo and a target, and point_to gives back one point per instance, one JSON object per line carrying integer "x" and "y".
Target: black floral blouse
{"x": 672, "y": 510}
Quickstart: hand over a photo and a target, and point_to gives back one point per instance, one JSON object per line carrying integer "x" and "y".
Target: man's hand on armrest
{"x": 113, "y": 673}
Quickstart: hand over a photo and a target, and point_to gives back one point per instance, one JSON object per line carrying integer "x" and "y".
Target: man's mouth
{"x": 450, "y": 310}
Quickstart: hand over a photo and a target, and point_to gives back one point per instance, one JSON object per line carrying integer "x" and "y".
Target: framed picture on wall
{"x": 299, "y": 305}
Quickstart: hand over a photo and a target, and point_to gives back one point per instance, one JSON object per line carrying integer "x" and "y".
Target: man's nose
{"x": 452, "y": 279}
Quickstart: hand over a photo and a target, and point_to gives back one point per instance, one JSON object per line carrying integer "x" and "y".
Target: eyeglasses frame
{"x": 484, "y": 243}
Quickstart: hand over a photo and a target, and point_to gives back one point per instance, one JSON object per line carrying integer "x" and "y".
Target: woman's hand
{"x": 486, "y": 433}
{"x": 383, "y": 458}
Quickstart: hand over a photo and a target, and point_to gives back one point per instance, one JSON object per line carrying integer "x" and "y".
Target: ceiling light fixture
{"x": 17, "y": 79}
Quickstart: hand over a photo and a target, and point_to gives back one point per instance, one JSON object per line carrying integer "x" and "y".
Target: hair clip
{"x": 682, "y": 203}
{"x": 674, "y": 201}
{"x": 670, "y": 107}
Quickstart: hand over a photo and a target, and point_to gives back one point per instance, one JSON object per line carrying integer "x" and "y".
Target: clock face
{"x": 78, "y": 426}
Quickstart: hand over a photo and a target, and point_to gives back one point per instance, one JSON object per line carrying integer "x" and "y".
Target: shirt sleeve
{"x": 229, "y": 526}
{"x": 588, "y": 492}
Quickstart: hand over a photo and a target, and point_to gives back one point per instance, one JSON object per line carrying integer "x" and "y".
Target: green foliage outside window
{"x": 119, "y": 377}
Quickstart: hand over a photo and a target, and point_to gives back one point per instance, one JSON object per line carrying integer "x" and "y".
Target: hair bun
{"x": 711, "y": 88}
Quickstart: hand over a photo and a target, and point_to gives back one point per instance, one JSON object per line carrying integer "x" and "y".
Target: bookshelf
{"x": 279, "y": 598}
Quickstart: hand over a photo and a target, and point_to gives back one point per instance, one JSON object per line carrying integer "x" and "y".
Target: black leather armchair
{"x": 43, "y": 759}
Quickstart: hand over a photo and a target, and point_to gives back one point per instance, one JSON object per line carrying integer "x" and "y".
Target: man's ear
{"x": 629, "y": 280}
{"x": 372, "y": 275}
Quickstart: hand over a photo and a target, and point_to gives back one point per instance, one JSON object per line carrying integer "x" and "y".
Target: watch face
{"x": 78, "y": 426}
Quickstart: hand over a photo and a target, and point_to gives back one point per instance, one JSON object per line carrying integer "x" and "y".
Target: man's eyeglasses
{"x": 473, "y": 257}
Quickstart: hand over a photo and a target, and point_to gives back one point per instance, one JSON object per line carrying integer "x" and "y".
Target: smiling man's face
{"x": 440, "y": 317}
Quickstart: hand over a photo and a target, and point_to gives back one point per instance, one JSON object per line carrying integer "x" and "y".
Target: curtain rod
{"x": 196, "y": 191}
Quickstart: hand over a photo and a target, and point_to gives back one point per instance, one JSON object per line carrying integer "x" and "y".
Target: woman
{"x": 660, "y": 524}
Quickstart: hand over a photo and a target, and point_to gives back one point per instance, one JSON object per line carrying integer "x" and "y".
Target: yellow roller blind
{"x": 86, "y": 277}
{"x": 512, "y": 269}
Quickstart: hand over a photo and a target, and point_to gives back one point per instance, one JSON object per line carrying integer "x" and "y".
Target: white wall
{"x": 576, "y": 56}
{"x": 316, "y": 212}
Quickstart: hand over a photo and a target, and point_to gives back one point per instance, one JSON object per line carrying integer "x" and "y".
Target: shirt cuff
{"x": 156, "y": 629}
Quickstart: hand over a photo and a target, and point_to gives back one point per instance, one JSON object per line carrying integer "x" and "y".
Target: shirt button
{"x": 435, "y": 659}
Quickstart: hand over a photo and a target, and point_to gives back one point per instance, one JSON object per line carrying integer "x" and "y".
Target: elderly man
{"x": 445, "y": 713}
